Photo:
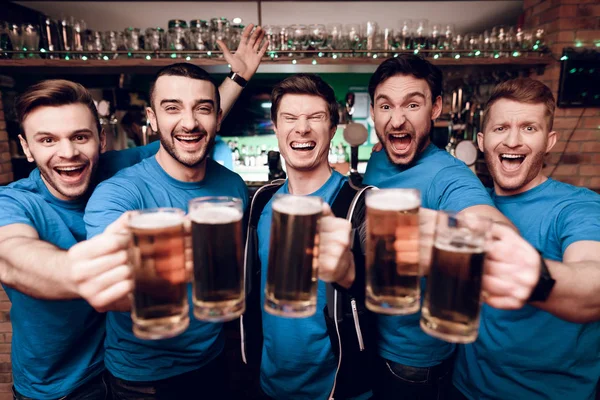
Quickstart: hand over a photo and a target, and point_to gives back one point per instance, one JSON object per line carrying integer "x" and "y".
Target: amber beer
{"x": 218, "y": 283}
{"x": 393, "y": 251}
{"x": 453, "y": 298}
{"x": 160, "y": 305}
{"x": 291, "y": 288}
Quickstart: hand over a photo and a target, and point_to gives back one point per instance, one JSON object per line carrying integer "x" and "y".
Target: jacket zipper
{"x": 337, "y": 330}
{"x": 361, "y": 343}
{"x": 242, "y": 329}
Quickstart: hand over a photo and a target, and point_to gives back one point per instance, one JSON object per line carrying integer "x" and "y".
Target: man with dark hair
{"x": 298, "y": 358}
{"x": 184, "y": 110}
{"x": 405, "y": 98}
{"x": 58, "y": 339}
{"x": 548, "y": 346}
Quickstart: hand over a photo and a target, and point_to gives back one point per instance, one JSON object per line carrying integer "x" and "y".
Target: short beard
{"x": 422, "y": 143}
{"x": 537, "y": 164}
{"x": 170, "y": 148}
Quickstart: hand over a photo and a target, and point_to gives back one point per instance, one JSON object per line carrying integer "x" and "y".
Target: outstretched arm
{"x": 244, "y": 62}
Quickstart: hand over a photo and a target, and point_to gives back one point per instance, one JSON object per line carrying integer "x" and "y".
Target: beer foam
{"x": 215, "y": 215}
{"x": 155, "y": 220}
{"x": 297, "y": 205}
{"x": 393, "y": 200}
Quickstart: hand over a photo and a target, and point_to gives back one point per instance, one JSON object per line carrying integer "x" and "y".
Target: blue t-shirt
{"x": 297, "y": 359}
{"x": 114, "y": 161}
{"x": 446, "y": 183}
{"x": 56, "y": 345}
{"x": 221, "y": 153}
{"x": 530, "y": 353}
{"x": 147, "y": 185}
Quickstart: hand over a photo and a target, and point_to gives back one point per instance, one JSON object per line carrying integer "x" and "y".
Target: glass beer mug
{"x": 292, "y": 278}
{"x": 160, "y": 298}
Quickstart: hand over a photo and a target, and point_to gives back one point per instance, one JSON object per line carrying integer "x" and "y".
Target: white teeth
{"x": 512, "y": 156}
{"x": 302, "y": 145}
{"x": 67, "y": 169}
{"x": 187, "y": 138}
{"x": 400, "y": 135}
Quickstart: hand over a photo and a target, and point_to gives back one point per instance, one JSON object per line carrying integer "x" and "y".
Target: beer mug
{"x": 217, "y": 248}
{"x": 392, "y": 253}
{"x": 453, "y": 297}
{"x": 291, "y": 289}
{"x": 160, "y": 303}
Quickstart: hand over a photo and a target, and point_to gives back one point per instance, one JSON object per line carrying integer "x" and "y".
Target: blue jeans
{"x": 95, "y": 389}
{"x": 206, "y": 383}
{"x": 402, "y": 382}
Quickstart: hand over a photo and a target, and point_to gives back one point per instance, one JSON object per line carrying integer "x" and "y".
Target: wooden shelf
{"x": 269, "y": 65}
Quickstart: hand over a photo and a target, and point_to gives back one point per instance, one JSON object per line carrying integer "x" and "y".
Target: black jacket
{"x": 350, "y": 325}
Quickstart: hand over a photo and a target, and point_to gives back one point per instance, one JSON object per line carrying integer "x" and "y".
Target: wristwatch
{"x": 545, "y": 284}
{"x": 234, "y": 76}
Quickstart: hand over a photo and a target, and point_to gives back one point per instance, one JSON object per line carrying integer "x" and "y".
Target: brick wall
{"x": 6, "y": 176}
{"x": 576, "y": 24}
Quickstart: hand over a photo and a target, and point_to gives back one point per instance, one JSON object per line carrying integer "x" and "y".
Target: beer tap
{"x": 355, "y": 134}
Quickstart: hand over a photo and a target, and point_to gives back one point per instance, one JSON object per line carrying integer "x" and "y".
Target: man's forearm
{"x": 575, "y": 295}
{"x": 36, "y": 268}
{"x": 229, "y": 92}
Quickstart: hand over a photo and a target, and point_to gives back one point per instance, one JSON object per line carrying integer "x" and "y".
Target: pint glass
{"x": 393, "y": 251}
{"x": 291, "y": 289}
{"x": 218, "y": 283}
{"x": 453, "y": 298}
{"x": 160, "y": 305}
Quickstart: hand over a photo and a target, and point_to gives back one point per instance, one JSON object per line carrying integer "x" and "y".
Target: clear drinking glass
{"x": 160, "y": 296}
{"x": 392, "y": 255}
{"x": 31, "y": 39}
{"x": 217, "y": 247}
{"x": 317, "y": 36}
{"x": 335, "y": 36}
{"x": 291, "y": 289}
{"x": 177, "y": 36}
{"x": 132, "y": 39}
{"x": 15, "y": 35}
{"x": 155, "y": 39}
{"x": 453, "y": 296}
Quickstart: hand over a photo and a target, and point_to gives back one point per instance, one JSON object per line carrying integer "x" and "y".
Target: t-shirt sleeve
{"x": 14, "y": 209}
{"x": 114, "y": 161}
{"x": 222, "y": 154}
{"x": 108, "y": 202}
{"x": 243, "y": 192}
{"x": 577, "y": 222}
{"x": 456, "y": 188}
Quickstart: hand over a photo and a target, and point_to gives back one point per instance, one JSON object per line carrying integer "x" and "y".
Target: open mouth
{"x": 303, "y": 146}
{"x": 189, "y": 139}
{"x": 400, "y": 141}
{"x": 190, "y": 142}
{"x": 71, "y": 173}
{"x": 511, "y": 161}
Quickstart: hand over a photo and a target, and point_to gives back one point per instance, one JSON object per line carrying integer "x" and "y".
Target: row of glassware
{"x": 60, "y": 38}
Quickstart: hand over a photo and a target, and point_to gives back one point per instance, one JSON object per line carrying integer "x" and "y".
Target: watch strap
{"x": 545, "y": 283}
{"x": 234, "y": 76}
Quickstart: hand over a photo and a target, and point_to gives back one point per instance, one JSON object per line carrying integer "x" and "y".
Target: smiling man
{"x": 547, "y": 348}
{"x": 405, "y": 98}
{"x": 298, "y": 360}
{"x": 57, "y": 336}
{"x": 186, "y": 112}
